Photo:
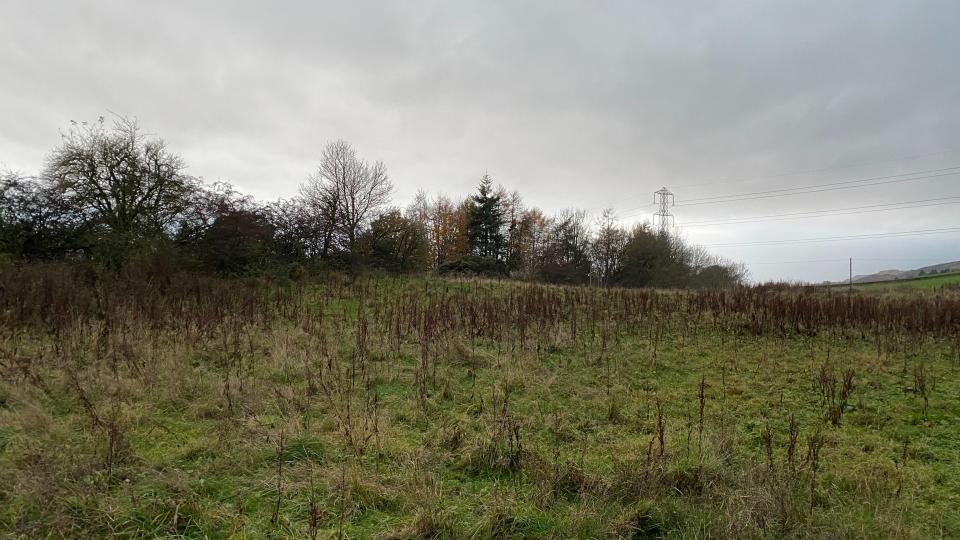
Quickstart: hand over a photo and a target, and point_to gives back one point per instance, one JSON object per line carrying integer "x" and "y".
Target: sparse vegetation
{"x": 187, "y": 405}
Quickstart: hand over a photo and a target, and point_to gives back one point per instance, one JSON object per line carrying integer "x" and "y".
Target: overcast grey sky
{"x": 587, "y": 104}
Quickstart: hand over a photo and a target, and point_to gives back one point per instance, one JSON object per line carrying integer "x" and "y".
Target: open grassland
{"x": 153, "y": 406}
{"x": 934, "y": 282}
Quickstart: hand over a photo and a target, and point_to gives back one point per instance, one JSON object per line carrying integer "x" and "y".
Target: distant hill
{"x": 893, "y": 275}
{"x": 925, "y": 282}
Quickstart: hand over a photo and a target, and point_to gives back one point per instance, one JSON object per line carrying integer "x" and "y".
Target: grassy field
{"x": 927, "y": 283}
{"x": 141, "y": 406}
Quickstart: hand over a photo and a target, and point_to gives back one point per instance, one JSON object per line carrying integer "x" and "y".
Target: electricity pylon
{"x": 662, "y": 217}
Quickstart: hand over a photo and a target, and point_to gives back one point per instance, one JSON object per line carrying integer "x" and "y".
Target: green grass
{"x": 558, "y": 439}
{"x": 907, "y": 285}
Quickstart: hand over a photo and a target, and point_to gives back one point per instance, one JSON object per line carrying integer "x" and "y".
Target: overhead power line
{"x": 828, "y": 186}
{"x": 823, "y": 169}
{"x": 845, "y": 259}
{"x": 813, "y": 188}
{"x": 796, "y": 262}
{"x": 872, "y": 236}
{"x": 800, "y": 172}
{"x": 925, "y": 259}
{"x": 886, "y": 207}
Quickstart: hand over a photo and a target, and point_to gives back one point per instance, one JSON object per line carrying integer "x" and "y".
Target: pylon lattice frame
{"x": 662, "y": 218}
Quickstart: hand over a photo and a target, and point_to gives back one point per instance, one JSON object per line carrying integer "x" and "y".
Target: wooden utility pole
{"x": 851, "y": 273}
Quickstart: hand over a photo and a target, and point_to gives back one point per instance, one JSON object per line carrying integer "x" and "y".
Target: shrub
{"x": 473, "y": 265}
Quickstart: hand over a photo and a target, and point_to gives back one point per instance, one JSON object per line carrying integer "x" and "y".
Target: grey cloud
{"x": 572, "y": 103}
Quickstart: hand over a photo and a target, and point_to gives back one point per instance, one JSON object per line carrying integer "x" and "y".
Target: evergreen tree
{"x": 485, "y": 233}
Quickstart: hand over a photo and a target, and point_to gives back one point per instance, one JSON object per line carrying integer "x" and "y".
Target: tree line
{"x": 111, "y": 194}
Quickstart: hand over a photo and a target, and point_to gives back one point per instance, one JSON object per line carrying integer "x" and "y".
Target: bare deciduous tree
{"x": 120, "y": 178}
{"x": 446, "y": 225}
{"x": 345, "y": 193}
{"x": 35, "y": 223}
{"x": 607, "y": 247}
{"x": 566, "y": 257}
{"x": 528, "y": 242}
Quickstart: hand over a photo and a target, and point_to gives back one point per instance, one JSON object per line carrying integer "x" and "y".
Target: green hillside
{"x": 925, "y": 282}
